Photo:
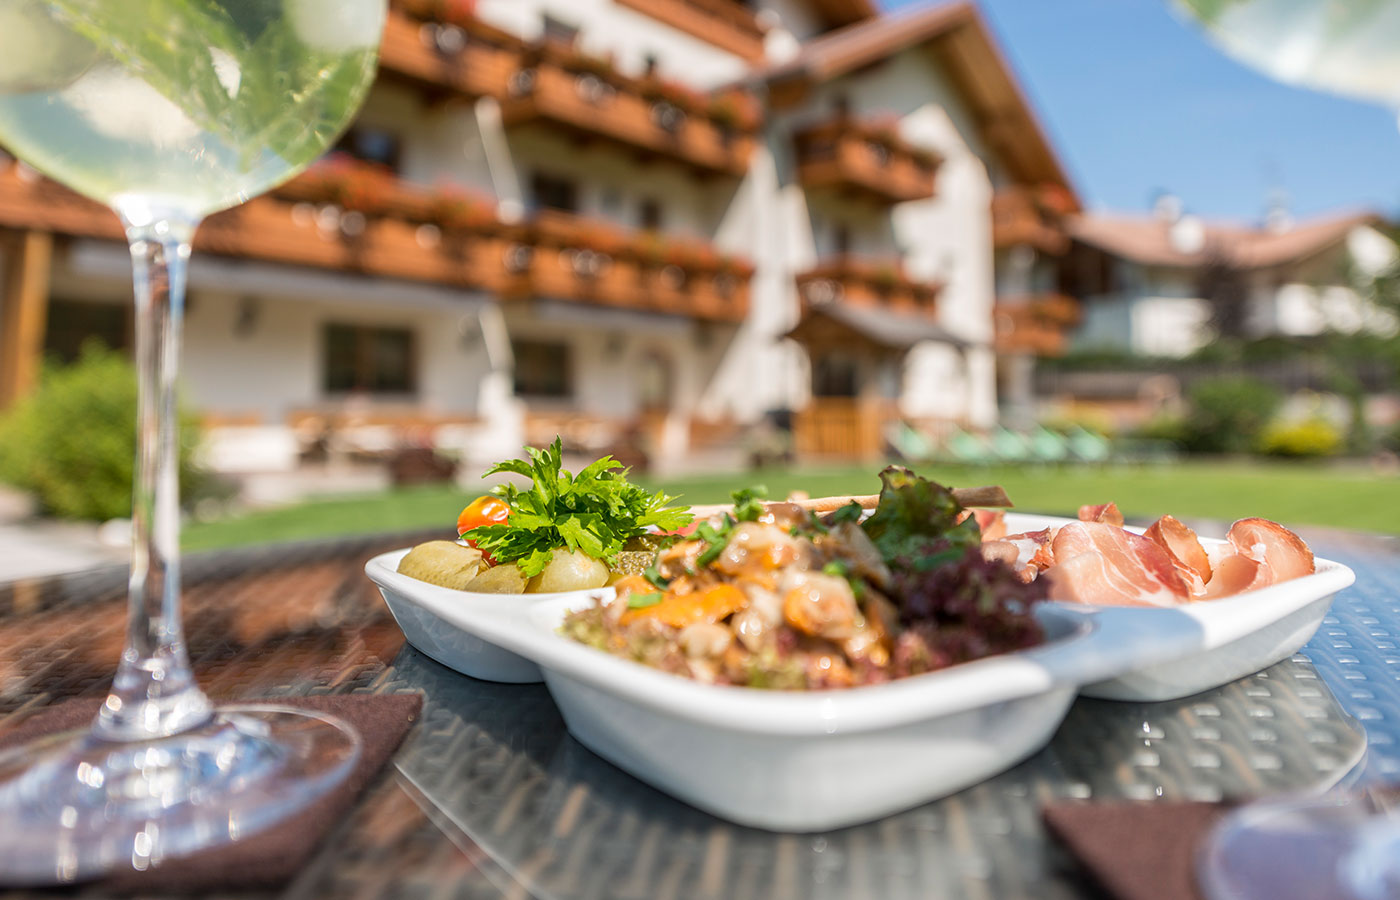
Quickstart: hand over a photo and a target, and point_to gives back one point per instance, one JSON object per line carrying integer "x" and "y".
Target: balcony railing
{"x": 1030, "y": 216}
{"x": 1037, "y": 325}
{"x": 356, "y": 218}
{"x": 866, "y": 159}
{"x": 868, "y": 283}
{"x": 555, "y": 84}
{"x": 564, "y": 257}
{"x": 455, "y": 54}
{"x": 726, "y": 24}
{"x": 562, "y": 88}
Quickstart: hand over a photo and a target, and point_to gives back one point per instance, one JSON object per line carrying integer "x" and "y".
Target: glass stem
{"x": 154, "y": 693}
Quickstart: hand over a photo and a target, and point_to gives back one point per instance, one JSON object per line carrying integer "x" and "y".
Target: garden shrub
{"x": 1227, "y": 415}
{"x": 1301, "y": 440}
{"x": 72, "y": 442}
{"x": 1169, "y": 428}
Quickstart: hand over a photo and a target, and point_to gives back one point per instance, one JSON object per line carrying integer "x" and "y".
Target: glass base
{"x": 73, "y": 807}
{"x": 1338, "y": 845}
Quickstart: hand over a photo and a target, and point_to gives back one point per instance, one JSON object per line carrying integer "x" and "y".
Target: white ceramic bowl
{"x": 1233, "y": 637}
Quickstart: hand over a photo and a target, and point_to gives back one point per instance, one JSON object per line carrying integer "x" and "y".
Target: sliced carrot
{"x": 679, "y": 610}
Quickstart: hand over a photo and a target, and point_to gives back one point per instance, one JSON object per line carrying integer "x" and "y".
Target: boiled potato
{"x": 445, "y": 563}
{"x": 502, "y": 579}
{"x": 566, "y": 571}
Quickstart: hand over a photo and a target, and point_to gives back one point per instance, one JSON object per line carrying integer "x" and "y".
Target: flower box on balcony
{"x": 1034, "y": 325}
{"x": 571, "y": 258}
{"x": 864, "y": 159}
{"x": 443, "y": 46}
{"x": 1032, "y": 217}
{"x": 552, "y": 88}
{"x": 868, "y": 283}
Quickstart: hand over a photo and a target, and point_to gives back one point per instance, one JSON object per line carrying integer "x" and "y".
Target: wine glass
{"x": 1350, "y": 842}
{"x": 168, "y": 110}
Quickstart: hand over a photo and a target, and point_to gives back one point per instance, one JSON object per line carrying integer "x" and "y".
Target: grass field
{"x": 1293, "y": 494}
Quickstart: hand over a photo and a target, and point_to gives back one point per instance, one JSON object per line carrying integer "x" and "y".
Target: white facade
{"x": 1155, "y": 311}
{"x": 257, "y": 333}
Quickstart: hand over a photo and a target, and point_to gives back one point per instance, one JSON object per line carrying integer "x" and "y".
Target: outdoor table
{"x": 489, "y": 797}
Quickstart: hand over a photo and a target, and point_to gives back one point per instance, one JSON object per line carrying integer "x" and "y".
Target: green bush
{"x": 72, "y": 442}
{"x": 1301, "y": 440}
{"x": 1169, "y": 428}
{"x": 1227, "y": 415}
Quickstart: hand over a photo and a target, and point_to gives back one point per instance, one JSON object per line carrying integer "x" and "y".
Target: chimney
{"x": 1278, "y": 219}
{"x": 1167, "y": 208}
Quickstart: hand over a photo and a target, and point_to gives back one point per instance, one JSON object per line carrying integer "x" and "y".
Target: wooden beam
{"x": 24, "y": 303}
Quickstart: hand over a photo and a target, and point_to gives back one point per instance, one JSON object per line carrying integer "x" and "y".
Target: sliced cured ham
{"x": 1280, "y": 550}
{"x": 1101, "y": 512}
{"x": 1234, "y": 574}
{"x": 1184, "y": 549}
{"x": 1102, "y": 565}
{"x": 992, "y": 522}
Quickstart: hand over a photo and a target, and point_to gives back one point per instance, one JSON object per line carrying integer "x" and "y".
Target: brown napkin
{"x": 1137, "y": 851}
{"x": 268, "y": 858}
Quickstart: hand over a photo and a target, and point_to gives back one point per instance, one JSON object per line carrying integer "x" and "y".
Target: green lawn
{"x": 1295, "y": 495}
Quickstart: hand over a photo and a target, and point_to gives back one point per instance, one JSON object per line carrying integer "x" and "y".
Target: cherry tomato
{"x": 482, "y": 511}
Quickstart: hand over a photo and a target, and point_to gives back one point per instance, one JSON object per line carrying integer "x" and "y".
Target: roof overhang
{"x": 844, "y": 326}
{"x": 963, "y": 44}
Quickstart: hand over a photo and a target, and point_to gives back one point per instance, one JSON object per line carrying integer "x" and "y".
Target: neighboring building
{"x": 602, "y": 218}
{"x": 1144, "y": 281}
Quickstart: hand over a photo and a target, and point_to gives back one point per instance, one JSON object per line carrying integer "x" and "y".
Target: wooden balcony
{"x": 562, "y": 89}
{"x": 464, "y": 56}
{"x": 556, "y": 85}
{"x": 1038, "y": 325}
{"x": 369, "y": 222}
{"x": 412, "y": 234}
{"x": 868, "y": 160}
{"x": 563, "y": 257}
{"x": 726, "y": 24}
{"x": 1033, "y": 217}
{"x": 866, "y": 283}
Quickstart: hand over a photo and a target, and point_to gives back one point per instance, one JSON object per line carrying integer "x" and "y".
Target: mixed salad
{"x": 775, "y": 595}
{"x": 770, "y": 595}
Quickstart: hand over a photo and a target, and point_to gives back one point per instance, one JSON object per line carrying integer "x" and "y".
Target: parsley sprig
{"x": 596, "y": 511}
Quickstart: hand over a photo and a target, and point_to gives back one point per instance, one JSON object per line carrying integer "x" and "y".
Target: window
{"x": 543, "y": 369}
{"x": 72, "y": 323}
{"x": 549, "y": 192}
{"x": 559, "y": 31}
{"x": 841, "y": 240}
{"x": 371, "y": 360}
{"x": 374, "y": 145}
{"x": 650, "y": 218}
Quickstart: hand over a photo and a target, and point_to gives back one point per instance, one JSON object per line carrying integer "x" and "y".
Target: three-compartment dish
{"x": 805, "y": 760}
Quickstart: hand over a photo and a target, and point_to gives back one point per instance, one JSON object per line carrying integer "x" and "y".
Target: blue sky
{"x": 1135, "y": 102}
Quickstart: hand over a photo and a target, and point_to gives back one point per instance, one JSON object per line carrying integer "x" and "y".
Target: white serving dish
{"x": 790, "y": 761}
{"x": 452, "y": 645}
{"x": 809, "y": 761}
{"x": 1235, "y": 636}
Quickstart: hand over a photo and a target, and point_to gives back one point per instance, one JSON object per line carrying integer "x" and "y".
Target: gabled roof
{"x": 1149, "y": 241}
{"x": 964, "y": 44}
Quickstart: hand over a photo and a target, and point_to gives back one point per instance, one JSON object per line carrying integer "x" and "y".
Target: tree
{"x": 1225, "y": 288}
